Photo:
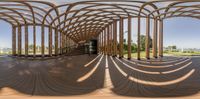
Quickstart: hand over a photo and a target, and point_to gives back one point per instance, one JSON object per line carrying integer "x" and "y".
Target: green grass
{"x": 143, "y": 54}
{"x": 9, "y": 53}
{"x": 134, "y": 55}
{"x": 181, "y": 53}
{"x": 3, "y": 54}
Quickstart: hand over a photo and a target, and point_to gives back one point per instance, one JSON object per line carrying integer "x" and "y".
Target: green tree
{"x": 171, "y": 48}
{"x": 125, "y": 47}
{"x": 134, "y": 47}
{"x": 31, "y": 46}
{"x": 174, "y": 47}
{"x": 124, "y": 41}
{"x": 143, "y": 42}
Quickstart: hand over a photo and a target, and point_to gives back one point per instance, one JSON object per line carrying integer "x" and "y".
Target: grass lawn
{"x": 1, "y": 54}
{"x": 143, "y": 54}
{"x": 181, "y": 53}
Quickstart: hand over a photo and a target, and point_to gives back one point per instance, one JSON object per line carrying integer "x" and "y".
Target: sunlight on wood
{"x": 86, "y": 76}
{"x": 152, "y": 83}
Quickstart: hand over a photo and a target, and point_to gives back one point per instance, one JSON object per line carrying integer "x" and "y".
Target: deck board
{"x": 58, "y": 78}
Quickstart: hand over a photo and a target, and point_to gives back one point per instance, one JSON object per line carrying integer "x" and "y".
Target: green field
{"x": 6, "y": 53}
{"x": 143, "y": 54}
{"x": 182, "y": 53}
{"x": 134, "y": 55}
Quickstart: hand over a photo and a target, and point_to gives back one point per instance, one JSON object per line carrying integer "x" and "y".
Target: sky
{"x": 182, "y": 32}
{"x": 5, "y": 34}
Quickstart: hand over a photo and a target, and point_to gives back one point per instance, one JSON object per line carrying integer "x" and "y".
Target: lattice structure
{"x": 70, "y": 23}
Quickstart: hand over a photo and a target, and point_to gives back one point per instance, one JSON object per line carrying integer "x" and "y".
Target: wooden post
{"x": 138, "y": 39}
{"x": 155, "y": 39}
{"x": 108, "y": 40}
{"x": 50, "y": 41}
{"x": 26, "y": 40}
{"x": 111, "y": 40}
{"x": 19, "y": 41}
{"x": 115, "y": 37}
{"x": 56, "y": 41}
{"x": 105, "y": 51}
{"x": 42, "y": 41}
{"x": 13, "y": 40}
{"x": 101, "y": 42}
{"x": 61, "y": 40}
{"x": 161, "y": 38}
{"x": 121, "y": 49}
{"x": 147, "y": 38}
{"x": 129, "y": 37}
{"x": 34, "y": 40}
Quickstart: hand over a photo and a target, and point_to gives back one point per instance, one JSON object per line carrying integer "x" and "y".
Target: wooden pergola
{"x": 70, "y": 23}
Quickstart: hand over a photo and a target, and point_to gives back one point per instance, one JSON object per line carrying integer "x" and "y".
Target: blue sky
{"x": 183, "y": 32}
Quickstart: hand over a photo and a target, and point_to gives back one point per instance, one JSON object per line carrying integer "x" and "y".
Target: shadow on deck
{"x": 83, "y": 74}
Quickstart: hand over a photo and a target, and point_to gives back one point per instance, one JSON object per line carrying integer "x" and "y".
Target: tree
{"x": 134, "y": 45}
{"x": 30, "y": 46}
{"x": 143, "y": 42}
{"x": 174, "y": 47}
{"x": 124, "y": 41}
{"x": 171, "y": 48}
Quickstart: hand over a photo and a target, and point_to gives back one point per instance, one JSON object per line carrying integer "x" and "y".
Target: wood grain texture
{"x": 57, "y": 78}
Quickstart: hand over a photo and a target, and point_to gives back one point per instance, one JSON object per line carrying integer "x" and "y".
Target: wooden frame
{"x": 90, "y": 20}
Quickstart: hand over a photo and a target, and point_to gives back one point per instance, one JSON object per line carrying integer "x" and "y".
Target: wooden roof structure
{"x": 82, "y": 20}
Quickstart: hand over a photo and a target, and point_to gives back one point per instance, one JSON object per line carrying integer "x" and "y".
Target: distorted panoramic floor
{"x": 98, "y": 76}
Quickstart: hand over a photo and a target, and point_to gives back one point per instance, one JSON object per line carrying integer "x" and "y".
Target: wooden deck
{"x": 99, "y": 76}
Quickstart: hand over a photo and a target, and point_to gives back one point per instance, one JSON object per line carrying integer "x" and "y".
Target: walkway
{"x": 99, "y": 76}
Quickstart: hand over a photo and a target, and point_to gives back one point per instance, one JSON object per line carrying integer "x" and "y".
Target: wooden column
{"x": 121, "y": 37}
{"x": 26, "y": 40}
{"x": 63, "y": 43}
{"x": 102, "y": 42}
{"x": 42, "y": 41}
{"x": 19, "y": 40}
{"x": 50, "y": 41}
{"x": 108, "y": 40}
{"x": 161, "y": 38}
{"x": 66, "y": 44}
{"x": 147, "y": 38}
{"x": 138, "y": 39}
{"x": 61, "y": 51}
{"x": 129, "y": 37}
{"x": 105, "y": 51}
{"x": 13, "y": 40}
{"x": 155, "y": 39}
{"x": 34, "y": 40}
{"x": 99, "y": 44}
{"x": 115, "y": 37}
{"x": 56, "y": 41}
